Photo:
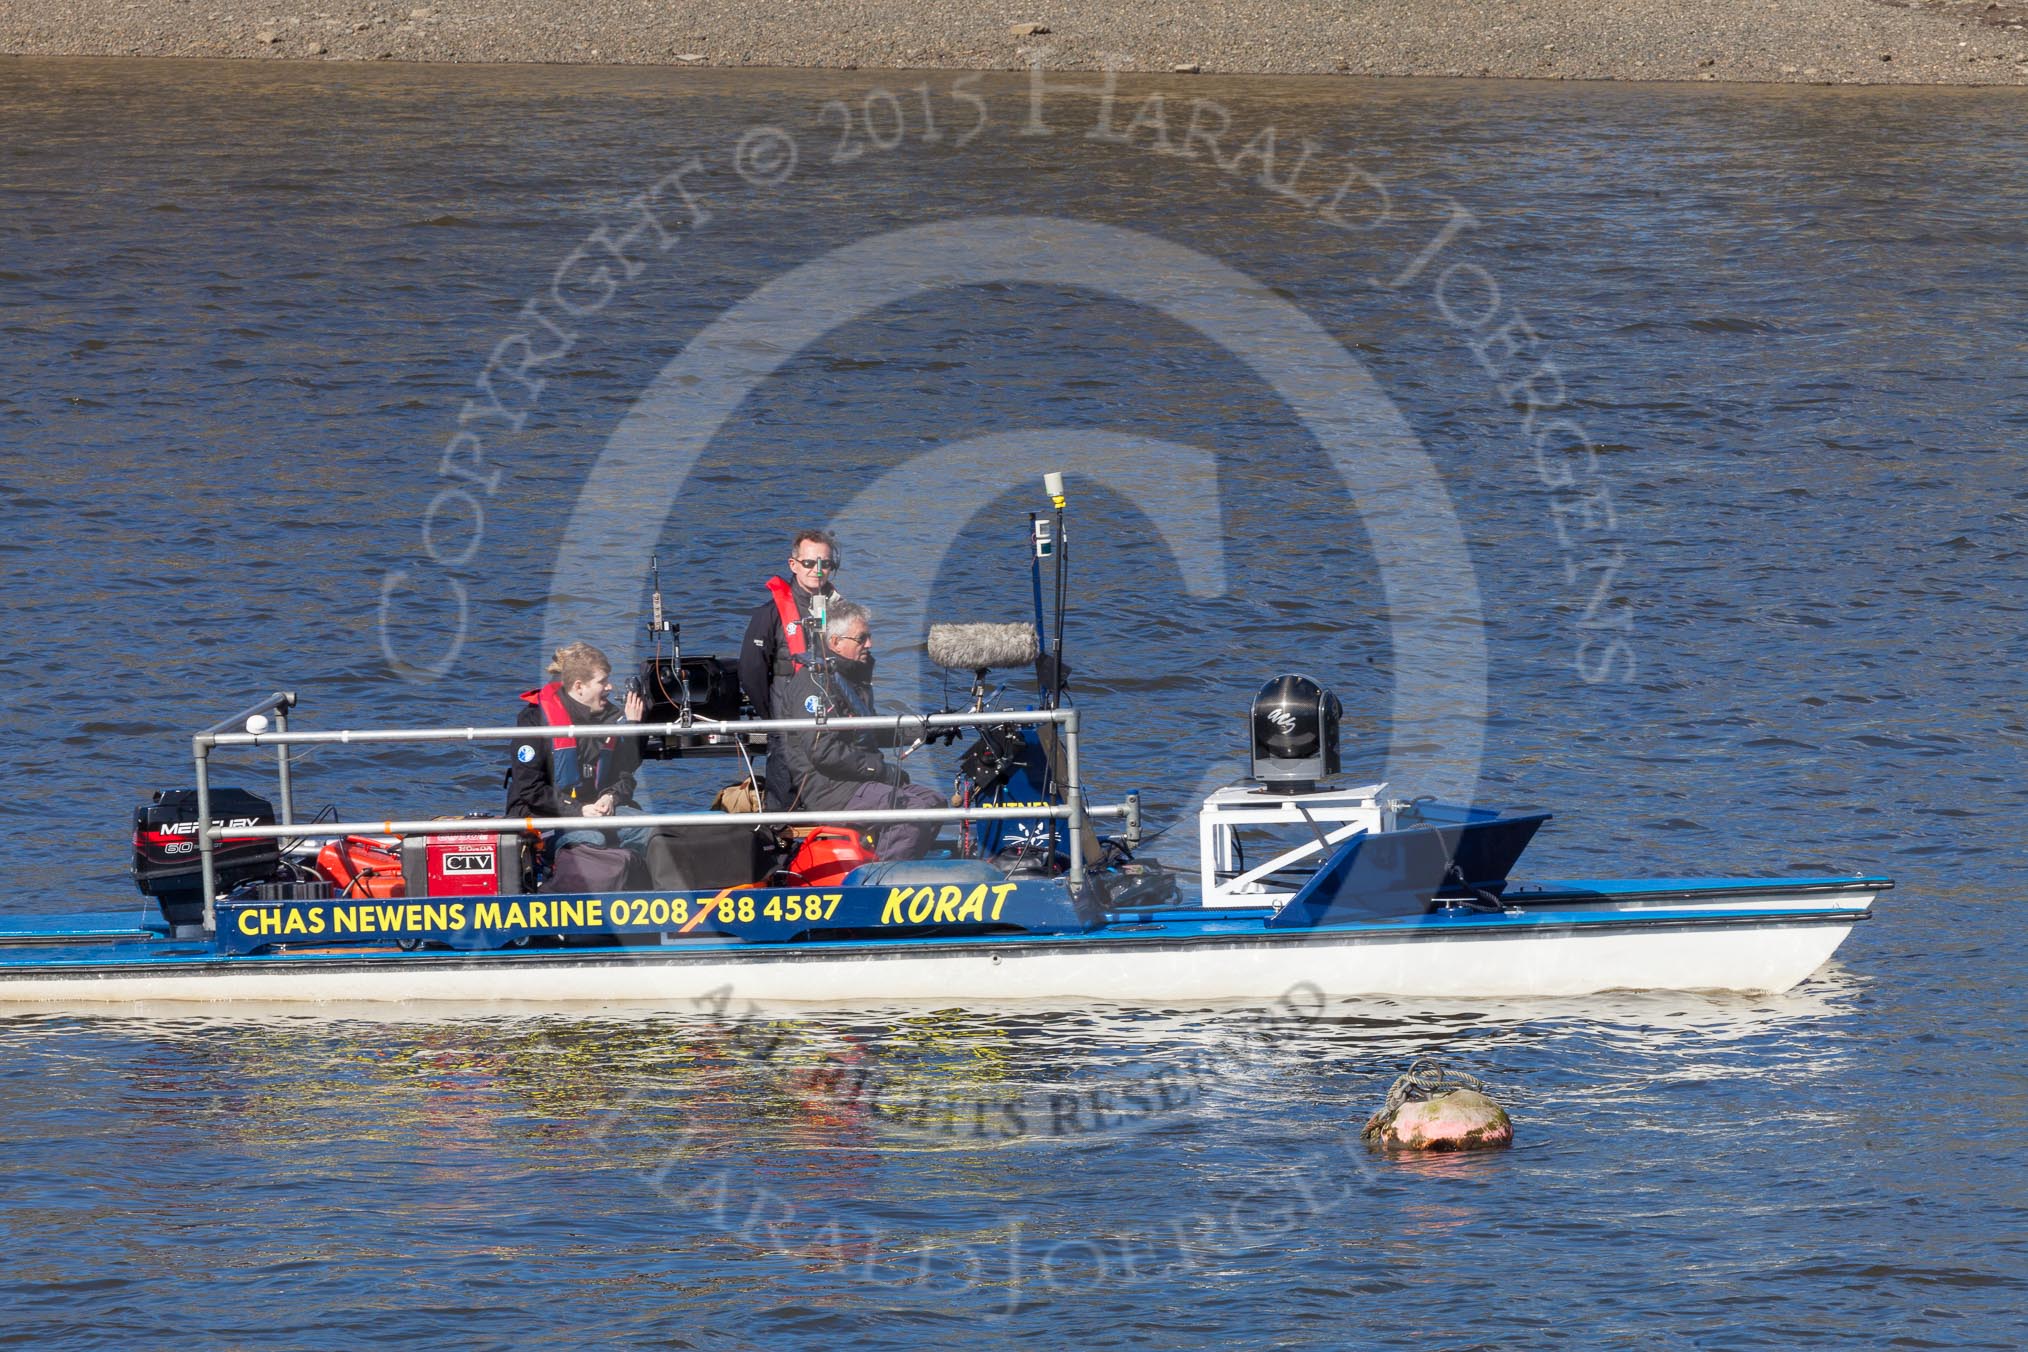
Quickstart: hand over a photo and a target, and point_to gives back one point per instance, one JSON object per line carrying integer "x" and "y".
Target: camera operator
{"x": 569, "y": 777}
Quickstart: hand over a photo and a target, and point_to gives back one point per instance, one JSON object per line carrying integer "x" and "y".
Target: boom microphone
{"x": 975, "y": 647}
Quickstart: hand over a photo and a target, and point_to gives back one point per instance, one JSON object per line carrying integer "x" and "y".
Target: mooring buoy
{"x": 1436, "y": 1108}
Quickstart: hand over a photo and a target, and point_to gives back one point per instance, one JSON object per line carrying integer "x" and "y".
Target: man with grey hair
{"x": 831, "y": 768}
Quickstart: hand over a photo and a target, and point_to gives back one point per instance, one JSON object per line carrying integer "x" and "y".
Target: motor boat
{"x": 1301, "y": 883}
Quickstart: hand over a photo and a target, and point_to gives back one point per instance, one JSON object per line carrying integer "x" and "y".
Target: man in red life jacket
{"x": 779, "y": 639}
{"x": 576, "y": 777}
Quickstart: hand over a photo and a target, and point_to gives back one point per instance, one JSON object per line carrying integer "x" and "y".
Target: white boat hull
{"x": 1546, "y": 960}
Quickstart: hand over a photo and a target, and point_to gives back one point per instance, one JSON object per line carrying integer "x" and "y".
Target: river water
{"x": 1771, "y": 620}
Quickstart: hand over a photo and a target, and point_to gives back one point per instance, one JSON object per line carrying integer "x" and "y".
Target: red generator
{"x": 364, "y": 866}
{"x": 828, "y": 854}
{"x": 472, "y": 864}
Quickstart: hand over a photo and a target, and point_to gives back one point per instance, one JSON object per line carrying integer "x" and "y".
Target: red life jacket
{"x": 572, "y": 774}
{"x": 549, "y": 699}
{"x": 792, "y": 621}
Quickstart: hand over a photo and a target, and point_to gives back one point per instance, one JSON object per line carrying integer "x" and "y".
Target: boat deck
{"x": 83, "y": 927}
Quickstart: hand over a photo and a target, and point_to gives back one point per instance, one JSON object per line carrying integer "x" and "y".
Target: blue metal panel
{"x": 1396, "y": 873}
{"x": 1445, "y": 814}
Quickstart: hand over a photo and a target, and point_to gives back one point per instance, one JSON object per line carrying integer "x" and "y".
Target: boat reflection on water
{"x": 641, "y": 1082}
{"x": 924, "y": 1151}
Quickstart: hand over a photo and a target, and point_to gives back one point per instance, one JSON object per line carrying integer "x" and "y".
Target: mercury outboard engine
{"x": 167, "y": 865}
{"x": 1295, "y": 734}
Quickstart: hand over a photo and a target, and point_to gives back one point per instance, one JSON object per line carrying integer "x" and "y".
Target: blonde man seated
{"x": 574, "y": 777}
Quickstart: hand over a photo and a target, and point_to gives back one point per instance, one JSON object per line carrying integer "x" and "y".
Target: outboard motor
{"x": 1295, "y": 734}
{"x": 167, "y": 865}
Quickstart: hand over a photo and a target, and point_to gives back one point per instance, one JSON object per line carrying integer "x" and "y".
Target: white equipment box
{"x": 1330, "y": 817}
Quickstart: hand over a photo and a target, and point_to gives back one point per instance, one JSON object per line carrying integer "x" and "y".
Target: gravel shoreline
{"x": 1926, "y": 42}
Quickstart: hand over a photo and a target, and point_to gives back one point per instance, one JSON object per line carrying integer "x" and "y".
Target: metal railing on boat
{"x": 278, "y": 704}
{"x": 1074, "y": 812}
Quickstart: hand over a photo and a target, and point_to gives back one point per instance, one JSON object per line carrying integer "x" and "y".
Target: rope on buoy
{"x": 1428, "y": 1078}
{"x": 1479, "y": 1123}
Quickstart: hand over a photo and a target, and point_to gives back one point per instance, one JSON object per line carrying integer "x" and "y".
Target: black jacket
{"x": 762, "y": 654}
{"x": 819, "y": 770}
{"x": 532, "y": 790}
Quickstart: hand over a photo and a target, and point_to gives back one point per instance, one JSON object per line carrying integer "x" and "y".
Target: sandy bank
{"x": 1832, "y": 41}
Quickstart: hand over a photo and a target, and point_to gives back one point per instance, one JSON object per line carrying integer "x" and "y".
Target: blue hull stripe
{"x": 197, "y": 959}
